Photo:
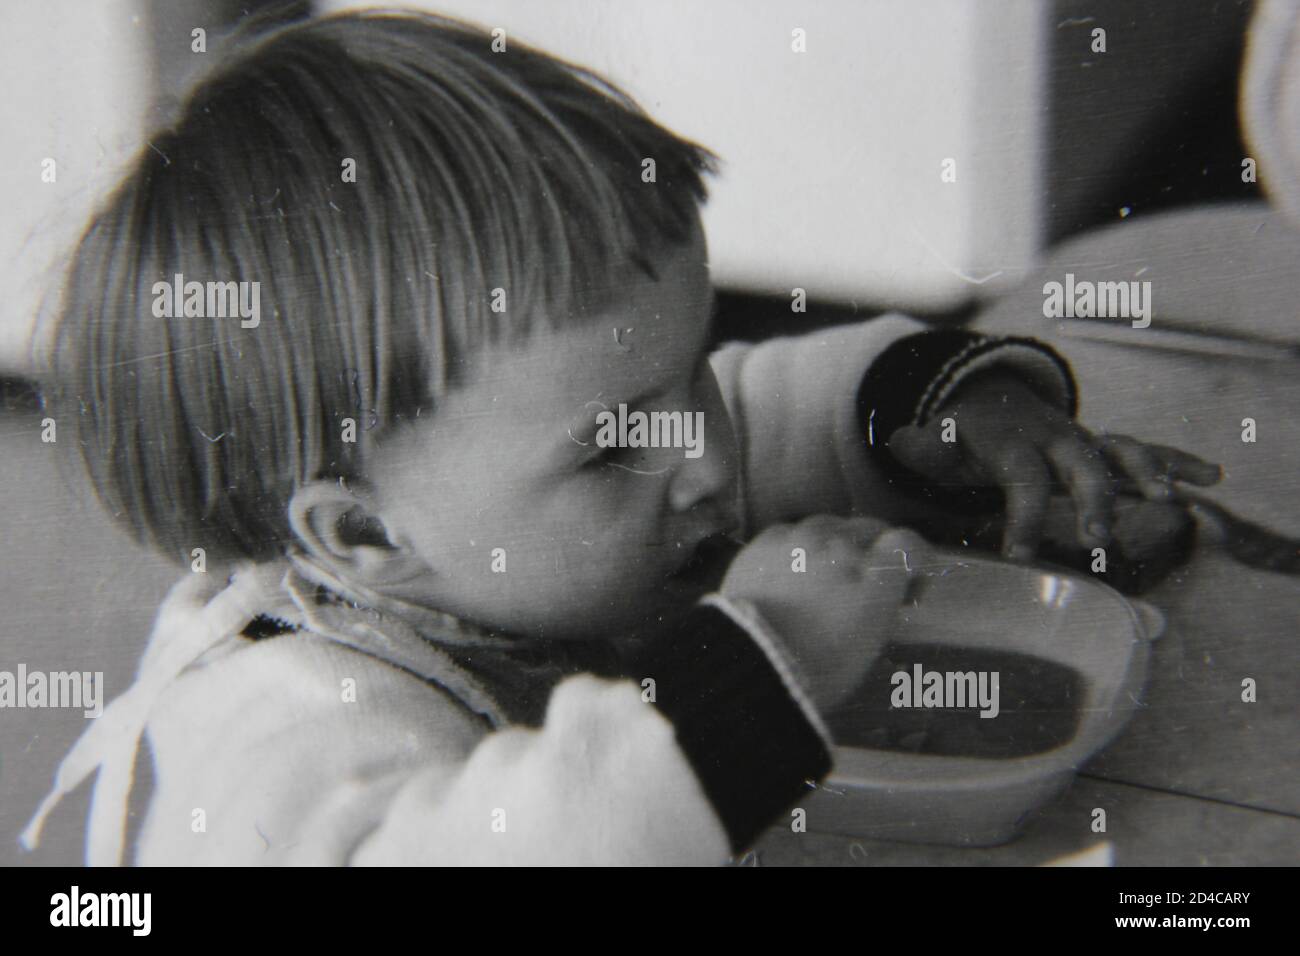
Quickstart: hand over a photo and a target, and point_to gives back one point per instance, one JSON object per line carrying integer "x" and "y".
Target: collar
{"x": 198, "y": 615}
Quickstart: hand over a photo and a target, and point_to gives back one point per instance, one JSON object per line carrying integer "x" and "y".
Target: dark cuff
{"x": 742, "y": 721}
{"x": 914, "y": 377}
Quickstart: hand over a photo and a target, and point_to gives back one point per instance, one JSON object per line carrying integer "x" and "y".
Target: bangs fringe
{"x": 475, "y": 171}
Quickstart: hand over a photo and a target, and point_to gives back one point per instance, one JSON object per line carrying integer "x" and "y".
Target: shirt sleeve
{"x": 813, "y": 413}
{"x": 295, "y": 750}
{"x": 683, "y": 767}
{"x": 287, "y": 751}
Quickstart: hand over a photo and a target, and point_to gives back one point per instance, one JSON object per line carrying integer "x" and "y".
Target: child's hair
{"x": 475, "y": 170}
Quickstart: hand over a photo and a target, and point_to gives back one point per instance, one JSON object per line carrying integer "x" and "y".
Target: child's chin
{"x": 644, "y": 613}
{"x": 683, "y": 590}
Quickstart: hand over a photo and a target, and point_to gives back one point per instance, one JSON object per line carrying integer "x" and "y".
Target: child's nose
{"x": 709, "y": 479}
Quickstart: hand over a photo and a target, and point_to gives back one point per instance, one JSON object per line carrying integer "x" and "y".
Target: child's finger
{"x": 924, "y": 451}
{"x": 1183, "y": 466}
{"x": 1140, "y": 463}
{"x": 1083, "y": 471}
{"x": 1021, "y": 472}
{"x": 863, "y": 531}
{"x": 822, "y": 530}
{"x": 898, "y": 549}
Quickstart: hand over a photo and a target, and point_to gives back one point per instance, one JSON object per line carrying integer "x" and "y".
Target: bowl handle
{"x": 1151, "y": 620}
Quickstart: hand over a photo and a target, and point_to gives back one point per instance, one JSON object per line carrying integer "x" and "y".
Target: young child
{"x": 442, "y": 619}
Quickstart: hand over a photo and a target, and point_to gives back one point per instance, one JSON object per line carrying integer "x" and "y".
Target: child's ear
{"x": 337, "y": 529}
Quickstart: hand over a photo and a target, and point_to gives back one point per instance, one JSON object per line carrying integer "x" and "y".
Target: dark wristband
{"x": 903, "y": 386}
{"x": 752, "y": 745}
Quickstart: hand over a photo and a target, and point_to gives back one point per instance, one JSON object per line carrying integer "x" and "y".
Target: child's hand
{"x": 1007, "y": 436}
{"x": 837, "y": 615}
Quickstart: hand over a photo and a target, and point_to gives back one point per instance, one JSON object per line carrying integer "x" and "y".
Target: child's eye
{"x": 603, "y": 457}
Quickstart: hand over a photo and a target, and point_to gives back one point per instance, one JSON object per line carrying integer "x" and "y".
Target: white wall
{"x": 833, "y": 156}
{"x": 75, "y": 90}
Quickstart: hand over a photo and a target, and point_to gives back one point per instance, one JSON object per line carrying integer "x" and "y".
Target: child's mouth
{"x": 708, "y": 562}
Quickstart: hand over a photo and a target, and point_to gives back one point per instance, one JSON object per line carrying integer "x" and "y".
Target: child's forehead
{"x": 651, "y": 328}
{"x": 525, "y": 394}
{"x": 526, "y": 403}
{"x": 622, "y": 353}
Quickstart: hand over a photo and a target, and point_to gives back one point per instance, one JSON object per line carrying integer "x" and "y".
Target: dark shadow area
{"x": 1150, "y": 124}
{"x": 746, "y": 317}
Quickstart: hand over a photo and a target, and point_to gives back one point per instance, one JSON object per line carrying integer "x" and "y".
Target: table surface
{"x": 1198, "y": 776}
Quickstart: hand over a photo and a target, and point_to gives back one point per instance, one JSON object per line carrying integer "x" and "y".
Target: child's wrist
{"x": 741, "y": 714}
{"x": 918, "y": 377}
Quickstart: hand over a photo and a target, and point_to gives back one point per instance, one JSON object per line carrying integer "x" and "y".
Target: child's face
{"x": 589, "y": 537}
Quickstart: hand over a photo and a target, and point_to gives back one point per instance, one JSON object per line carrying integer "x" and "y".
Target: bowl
{"x": 1071, "y": 658}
